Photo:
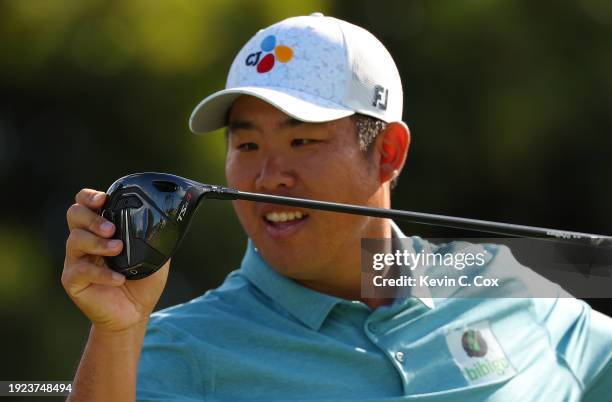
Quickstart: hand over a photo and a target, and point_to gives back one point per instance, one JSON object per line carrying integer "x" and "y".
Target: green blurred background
{"x": 509, "y": 103}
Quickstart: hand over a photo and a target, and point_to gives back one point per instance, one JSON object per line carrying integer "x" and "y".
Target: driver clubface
{"x": 151, "y": 212}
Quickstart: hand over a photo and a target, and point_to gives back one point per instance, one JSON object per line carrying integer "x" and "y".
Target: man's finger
{"x": 91, "y": 198}
{"x": 80, "y": 216}
{"x": 79, "y": 276}
{"x": 81, "y": 243}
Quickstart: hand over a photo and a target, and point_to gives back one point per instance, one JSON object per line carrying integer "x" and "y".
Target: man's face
{"x": 272, "y": 153}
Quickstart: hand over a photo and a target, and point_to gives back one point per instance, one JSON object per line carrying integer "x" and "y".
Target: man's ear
{"x": 393, "y": 147}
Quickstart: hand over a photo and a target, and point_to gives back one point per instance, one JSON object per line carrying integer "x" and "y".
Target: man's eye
{"x": 302, "y": 141}
{"x": 247, "y": 146}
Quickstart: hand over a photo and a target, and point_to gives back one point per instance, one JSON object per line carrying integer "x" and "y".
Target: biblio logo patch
{"x": 473, "y": 343}
{"x": 479, "y": 355}
{"x": 271, "y": 53}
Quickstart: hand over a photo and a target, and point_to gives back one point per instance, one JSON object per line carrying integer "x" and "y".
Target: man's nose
{"x": 274, "y": 174}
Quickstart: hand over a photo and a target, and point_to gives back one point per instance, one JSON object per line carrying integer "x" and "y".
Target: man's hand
{"x": 118, "y": 309}
{"x": 107, "y": 299}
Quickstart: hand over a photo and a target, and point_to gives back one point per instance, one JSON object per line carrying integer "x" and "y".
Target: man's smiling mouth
{"x": 280, "y": 224}
{"x": 284, "y": 216}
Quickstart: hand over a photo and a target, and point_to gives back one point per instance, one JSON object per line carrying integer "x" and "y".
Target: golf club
{"x": 152, "y": 213}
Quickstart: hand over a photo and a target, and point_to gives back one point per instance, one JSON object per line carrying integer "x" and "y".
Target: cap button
{"x": 317, "y": 14}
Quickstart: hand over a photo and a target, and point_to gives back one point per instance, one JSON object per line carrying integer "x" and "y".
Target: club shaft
{"x": 499, "y": 228}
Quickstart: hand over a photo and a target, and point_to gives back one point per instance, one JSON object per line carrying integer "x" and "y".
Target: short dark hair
{"x": 368, "y": 128}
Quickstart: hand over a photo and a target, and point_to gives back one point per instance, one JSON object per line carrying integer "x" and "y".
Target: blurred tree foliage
{"x": 508, "y": 102}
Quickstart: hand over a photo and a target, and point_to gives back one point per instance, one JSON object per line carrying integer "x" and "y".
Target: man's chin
{"x": 286, "y": 259}
{"x": 296, "y": 273}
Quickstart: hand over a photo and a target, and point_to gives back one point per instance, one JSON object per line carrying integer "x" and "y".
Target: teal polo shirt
{"x": 263, "y": 337}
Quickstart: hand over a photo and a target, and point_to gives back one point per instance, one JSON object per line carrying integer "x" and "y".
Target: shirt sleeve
{"x": 168, "y": 368}
{"x": 601, "y": 388}
{"x": 598, "y": 386}
{"x": 582, "y": 338}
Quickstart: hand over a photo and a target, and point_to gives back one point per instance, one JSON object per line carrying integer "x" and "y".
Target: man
{"x": 313, "y": 108}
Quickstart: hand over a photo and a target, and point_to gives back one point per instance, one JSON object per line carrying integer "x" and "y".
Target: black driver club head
{"x": 151, "y": 212}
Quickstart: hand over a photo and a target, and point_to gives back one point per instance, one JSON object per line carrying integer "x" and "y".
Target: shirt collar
{"x": 418, "y": 292}
{"x": 307, "y": 305}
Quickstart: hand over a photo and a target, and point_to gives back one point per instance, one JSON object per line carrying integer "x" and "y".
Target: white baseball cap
{"x": 313, "y": 68}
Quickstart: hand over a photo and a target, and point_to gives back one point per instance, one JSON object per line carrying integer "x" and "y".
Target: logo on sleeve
{"x": 271, "y": 52}
{"x": 479, "y": 355}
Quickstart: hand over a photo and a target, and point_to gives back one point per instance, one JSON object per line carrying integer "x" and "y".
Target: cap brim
{"x": 211, "y": 113}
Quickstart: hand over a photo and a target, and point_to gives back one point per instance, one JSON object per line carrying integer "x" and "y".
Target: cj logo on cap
{"x": 266, "y": 63}
{"x": 473, "y": 343}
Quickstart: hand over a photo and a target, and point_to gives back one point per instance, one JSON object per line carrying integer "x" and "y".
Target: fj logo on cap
{"x": 381, "y": 95}
{"x": 479, "y": 355}
{"x": 273, "y": 52}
